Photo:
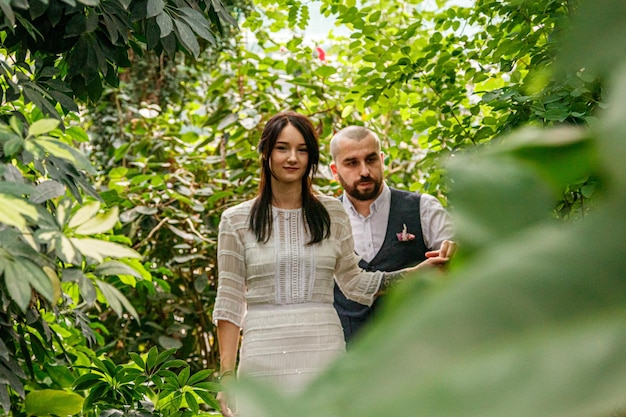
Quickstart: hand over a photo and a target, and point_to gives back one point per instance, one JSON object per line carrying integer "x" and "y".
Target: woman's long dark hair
{"x": 315, "y": 214}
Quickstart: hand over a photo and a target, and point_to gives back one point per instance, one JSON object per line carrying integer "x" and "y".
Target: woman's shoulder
{"x": 333, "y": 205}
{"x": 241, "y": 209}
{"x": 329, "y": 202}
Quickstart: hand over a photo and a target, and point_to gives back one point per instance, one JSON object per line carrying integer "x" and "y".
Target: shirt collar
{"x": 383, "y": 199}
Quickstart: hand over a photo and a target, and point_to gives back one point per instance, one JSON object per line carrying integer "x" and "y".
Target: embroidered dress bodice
{"x": 295, "y": 262}
{"x": 285, "y": 270}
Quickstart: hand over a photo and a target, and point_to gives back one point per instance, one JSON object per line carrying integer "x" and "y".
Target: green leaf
{"x": 562, "y": 157}
{"x": 199, "y": 376}
{"x": 16, "y": 189}
{"x": 64, "y": 100}
{"x": 325, "y": 71}
{"x": 182, "y": 234}
{"x": 164, "y": 356}
{"x": 39, "y": 351}
{"x": 198, "y": 23}
{"x": 47, "y": 190}
{"x": 86, "y": 381}
{"x": 53, "y": 402}
{"x": 115, "y": 268}
{"x": 100, "y": 223}
{"x": 9, "y": 131}
{"x": 501, "y": 185}
{"x": 113, "y": 27}
{"x": 66, "y": 250}
{"x": 99, "y": 249}
{"x": 177, "y": 400}
{"x": 76, "y": 133}
{"x": 107, "y": 366}
{"x": 191, "y": 402}
{"x": 85, "y": 213}
{"x": 16, "y": 212}
{"x": 525, "y": 329}
{"x": 186, "y": 37}
{"x": 87, "y": 289}
{"x": 208, "y": 386}
{"x": 13, "y": 145}
{"x": 208, "y": 398}
{"x": 588, "y": 190}
{"x": 63, "y": 211}
{"x": 374, "y": 17}
{"x": 41, "y": 281}
{"x": 139, "y": 268}
{"x": 371, "y": 58}
{"x": 223, "y": 13}
{"x": 594, "y": 43}
{"x": 347, "y": 111}
{"x": 154, "y": 7}
{"x": 164, "y": 21}
{"x": 7, "y": 10}
{"x": 116, "y": 299}
{"x": 55, "y": 282}
{"x": 174, "y": 363}
{"x": 43, "y": 126}
{"x": 183, "y": 376}
{"x": 18, "y": 287}
{"x": 64, "y": 151}
{"x": 137, "y": 359}
{"x": 151, "y": 359}
{"x": 219, "y": 195}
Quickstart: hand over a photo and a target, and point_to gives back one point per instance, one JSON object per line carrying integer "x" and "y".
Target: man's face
{"x": 358, "y": 166}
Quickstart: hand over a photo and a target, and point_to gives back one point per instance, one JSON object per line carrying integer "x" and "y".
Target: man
{"x": 392, "y": 229}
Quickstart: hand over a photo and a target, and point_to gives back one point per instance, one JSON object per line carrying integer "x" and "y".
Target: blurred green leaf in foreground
{"x": 532, "y": 320}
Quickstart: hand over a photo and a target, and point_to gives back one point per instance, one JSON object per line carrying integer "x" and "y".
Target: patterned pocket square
{"x": 405, "y": 236}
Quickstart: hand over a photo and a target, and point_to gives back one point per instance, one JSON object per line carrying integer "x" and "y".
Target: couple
{"x": 281, "y": 254}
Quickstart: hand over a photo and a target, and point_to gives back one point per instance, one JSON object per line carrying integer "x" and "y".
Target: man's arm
{"x": 436, "y": 222}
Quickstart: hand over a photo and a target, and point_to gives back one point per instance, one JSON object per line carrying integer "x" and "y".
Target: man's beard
{"x": 361, "y": 196}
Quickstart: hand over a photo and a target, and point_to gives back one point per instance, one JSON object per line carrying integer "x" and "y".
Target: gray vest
{"x": 393, "y": 255}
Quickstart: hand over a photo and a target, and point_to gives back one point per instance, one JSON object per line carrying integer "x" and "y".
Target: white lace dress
{"x": 281, "y": 293}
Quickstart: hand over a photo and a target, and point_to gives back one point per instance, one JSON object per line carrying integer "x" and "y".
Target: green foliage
{"x": 435, "y": 81}
{"x": 81, "y": 46}
{"x": 63, "y": 261}
{"x": 531, "y": 165}
{"x": 153, "y": 384}
{"x": 54, "y": 257}
{"x": 170, "y": 194}
{"x": 53, "y": 402}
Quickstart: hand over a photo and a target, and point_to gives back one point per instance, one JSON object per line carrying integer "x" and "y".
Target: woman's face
{"x": 290, "y": 157}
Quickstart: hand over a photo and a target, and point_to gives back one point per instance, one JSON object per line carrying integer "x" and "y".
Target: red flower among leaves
{"x": 321, "y": 54}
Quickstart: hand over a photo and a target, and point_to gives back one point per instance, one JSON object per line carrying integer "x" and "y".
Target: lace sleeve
{"x": 230, "y": 301}
{"x": 357, "y": 285}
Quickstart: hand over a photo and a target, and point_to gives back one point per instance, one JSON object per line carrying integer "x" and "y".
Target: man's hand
{"x": 437, "y": 259}
{"x": 447, "y": 249}
{"x": 440, "y": 257}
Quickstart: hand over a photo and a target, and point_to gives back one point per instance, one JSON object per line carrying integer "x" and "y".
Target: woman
{"x": 278, "y": 255}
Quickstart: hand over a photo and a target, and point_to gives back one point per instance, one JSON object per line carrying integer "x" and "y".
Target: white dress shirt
{"x": 369, "y": 232}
